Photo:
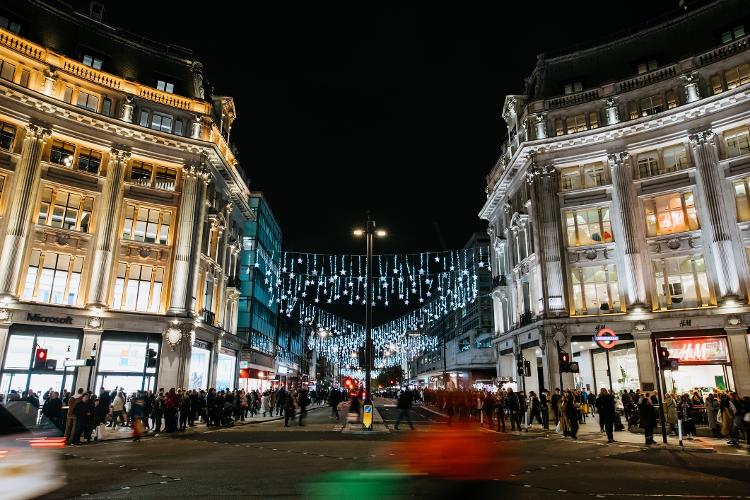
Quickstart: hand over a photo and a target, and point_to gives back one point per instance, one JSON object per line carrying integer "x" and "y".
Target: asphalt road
{"x": 318, "y": 461}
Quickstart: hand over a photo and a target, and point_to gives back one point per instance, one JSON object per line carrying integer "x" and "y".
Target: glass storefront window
{"x": 122, "y": 356}
{"x": 225, "y": 371}
{"x": 19, "y": 357}
{"x": 19, "y": 352}
{"x": 199, "y": 365}
{"x": 701, "y": 378}
{"x": 623, "y": 366}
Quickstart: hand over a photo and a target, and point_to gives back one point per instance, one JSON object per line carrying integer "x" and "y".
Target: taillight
{"x": 3, "y": 453}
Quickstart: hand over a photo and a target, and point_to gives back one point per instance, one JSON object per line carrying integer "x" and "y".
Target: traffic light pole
{"x": 659, "y": 390}
{"x": 559, "y": 367}
{"x": 369, "y": 233}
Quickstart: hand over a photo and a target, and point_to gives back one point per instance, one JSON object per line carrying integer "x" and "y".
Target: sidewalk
{"x": 113, "y": 434}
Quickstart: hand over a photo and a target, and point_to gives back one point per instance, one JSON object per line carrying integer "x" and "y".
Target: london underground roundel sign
{"x": 606, "y": 338}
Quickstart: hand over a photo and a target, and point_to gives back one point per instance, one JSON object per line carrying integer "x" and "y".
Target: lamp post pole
{"x": 369, "y": 233}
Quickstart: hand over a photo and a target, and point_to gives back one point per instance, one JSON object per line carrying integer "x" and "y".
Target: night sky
{"x": 393, "y": 107}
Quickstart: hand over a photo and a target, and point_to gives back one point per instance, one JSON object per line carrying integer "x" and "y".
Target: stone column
{"x": 91, "y": 337}
{"x": 692, "y": 92}
{"x": 188, "y": 241}
{"x": 709, "y": 178}
{"x": 21, "y": 208}
{"x": 737, "y": 340}
{"x": 108, "y": 219}
{"x": 644, "y": 352}
{"x": 628, "y": 235}
{"x": 545, "y": 183}
{"x": 610, "y": 111}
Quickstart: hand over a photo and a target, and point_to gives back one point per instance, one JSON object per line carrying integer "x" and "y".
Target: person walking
{"x": 670, "y": 413}
{"x": 571, "y": 411}
{"x": 289, "y": 408}
{"x": 157, "y": 410}
{"x": 605, "y": 407}
{"x": 81, "y": 412}
{"x": 647, "y": 417}
{"x": 544, "y": 408}
{"x": 488, "y": 407}
{"x": 555, "y": 400}
{"x": 303, "y": 400}
{"x": 404, "y": 404}
{"x": 265, "y": 403}
{"x": 172, "y": 404}
{"x": 70, "y": 421}
{"x": 514, "y": 409}
{"x": 536, "y": 408}
{"x": 334, "y": 398}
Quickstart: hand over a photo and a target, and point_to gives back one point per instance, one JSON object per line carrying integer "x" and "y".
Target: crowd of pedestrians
{"x": 724, "y": 413}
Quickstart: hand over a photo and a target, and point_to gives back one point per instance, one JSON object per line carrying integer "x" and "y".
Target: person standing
{"x": 81, "y": 412}
{"x": 334, "y": 398}
{"x": 605, "y": 407}
{"x": 647, "y": 418}
{"x": 157, "y": 410}
{"x": 536, "y": 409}
{"x": 555, "y": 400}
{"x": 514, "y": 409}
{"x": 289, "y": 408}
{"x": 488, "y": 407}
{"x": 303, "y": 400}
{"x": 544, "y": 408}
{"x": 52, "y": 409}
{"x": 571, "y": 413}
{"x": 172, "y": 403}
{"x": 404, "y": 404}
{"x": 70, "y": 421}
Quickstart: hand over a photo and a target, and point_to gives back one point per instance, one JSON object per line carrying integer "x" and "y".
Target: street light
{"x": 369, "y": 232}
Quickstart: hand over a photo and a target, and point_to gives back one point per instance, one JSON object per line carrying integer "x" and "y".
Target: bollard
{"x": 679, "y": 431}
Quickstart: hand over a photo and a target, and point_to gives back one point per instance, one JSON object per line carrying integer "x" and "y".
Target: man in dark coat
{"x": 513, "y": 403}
{"x": 334, "y": 399}
{"x": 647, "y": 417}
{"x": 404, "y": 404}
{"x": 52, "y": 409}
{"x": 605, "y": 407}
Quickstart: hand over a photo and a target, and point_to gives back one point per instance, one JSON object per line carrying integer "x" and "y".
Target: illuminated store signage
{"x": 705, "y": 350}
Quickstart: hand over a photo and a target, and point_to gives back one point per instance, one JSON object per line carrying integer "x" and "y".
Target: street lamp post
{"x": 369, "y": 232}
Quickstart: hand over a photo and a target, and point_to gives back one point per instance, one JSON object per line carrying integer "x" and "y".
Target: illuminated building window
{"x": 559, "y": 128}
{"x": 648, "y": 165}
{"x": 107, "y": 106}
{"x": 737, "y": 141}
{"x": 671, "y": 213}
{"x": 675, "y": 158}
{"x": 89, "y": 160}
{"x": 92, "y": 61}
{"x": 150, "y": 225}
{"x": 161, "y": 122}
{"x": 62, "y": 153}
{"x": 146, "y": 174}
{"x": 7, "y": 136}
{"x": 681, "y": 282}
{"x": 588, "y": 226}
{"x": 165, "y": 86}
{"x": 742, "y": 199}
{"x": 87, "y": 101}
{"x": 716, "y": 85}
{"x": 584, "y": 176}
{"x": 593, "y": 120}
{"x": 737, "y": 76}
{"x": 53, "y": 277}
{"x": 671, "y": 99}
{"x": 64, "y": 209}
{"x": 733, "y": 34}
{"x": 138, "y": 287}
{"x": 7, "y": 70}
{"x": 651, "y": 105}
{"x": 9, "y": 25}
{"x": 595, "y": 290}
{"x": 576, "y": 123}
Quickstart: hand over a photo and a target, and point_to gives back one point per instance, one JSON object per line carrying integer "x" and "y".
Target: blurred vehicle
{"x": 28, "y": 466}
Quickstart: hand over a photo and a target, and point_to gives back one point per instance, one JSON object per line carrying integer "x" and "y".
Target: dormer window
{"x": 92, "y": 61}
{"x": 167, "y": 87}
{"x": 647, "y": 66}
{"x": 733, "y": 34}
{"x": 9, "y": 25}
{"x": 571, "y": 88}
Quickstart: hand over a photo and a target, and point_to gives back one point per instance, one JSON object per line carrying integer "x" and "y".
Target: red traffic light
{"x": 41, "y": 354}
{"x": 40, "y": 359}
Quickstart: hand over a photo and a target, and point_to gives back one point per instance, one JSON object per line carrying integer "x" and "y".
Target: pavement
{"x": 319, "y": 461}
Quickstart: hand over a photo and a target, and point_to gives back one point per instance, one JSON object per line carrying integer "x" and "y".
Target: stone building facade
{"x": 621, "y": 200}
{"x": 121, "y": 211}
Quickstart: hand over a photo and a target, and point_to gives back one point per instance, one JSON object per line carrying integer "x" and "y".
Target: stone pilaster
{"x": 21, "y": 207}
{"x": 709, "y": 178}
{"x": 626, "y": 227}
{"x": 108, "y": 219}
{"x": 545, "y": 183}
{"x": 738, "y": 353}
{"x": 222, "y": 260}
{"x": 188, "y": 241}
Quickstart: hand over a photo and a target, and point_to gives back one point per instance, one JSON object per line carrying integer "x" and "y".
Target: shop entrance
{"x": 704, "y": 365}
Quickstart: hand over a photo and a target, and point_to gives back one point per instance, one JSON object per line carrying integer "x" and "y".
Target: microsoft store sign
{"x": 59, "y": 320}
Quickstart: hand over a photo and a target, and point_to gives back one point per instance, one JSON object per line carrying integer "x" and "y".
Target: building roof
{"x": 68, "y": 29}
{"x": 677, "y": 36}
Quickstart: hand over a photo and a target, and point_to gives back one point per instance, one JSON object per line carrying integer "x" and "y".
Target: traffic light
{"x": 520, "y": 366}
{"x": 565, "y": 362}
{"x": 40, "y": 359}
{"x": 573, "y": 367}
{"x": 674, "y": 364}
{"x": 663, "y": 357}
{"x": 150, "y": 358}
{"x": 527, "y": 368}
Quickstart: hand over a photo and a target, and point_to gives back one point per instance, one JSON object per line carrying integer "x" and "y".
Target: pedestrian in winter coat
{"x": 265, "y": 402}
{"x": 670, "y": 412}
{"x": 712, "y": 408}
{"x": 605, "y": 407}
{"x": 647, "y": 417}
{"x": 289, "y": 407}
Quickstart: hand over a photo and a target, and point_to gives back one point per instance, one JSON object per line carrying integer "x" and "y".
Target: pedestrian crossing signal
{"x": 564, "y": 362}
{"x": 151, "y": 358}
{"x": 40, "y": 359}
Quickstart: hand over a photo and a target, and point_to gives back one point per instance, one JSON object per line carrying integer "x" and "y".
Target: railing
{"x": 572, "y": 99}
{"x": 647, "y": 78}
{"x": 80, "y": 70}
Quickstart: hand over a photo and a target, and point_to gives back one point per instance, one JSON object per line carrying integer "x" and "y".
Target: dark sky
{"x": 393, "y": 107}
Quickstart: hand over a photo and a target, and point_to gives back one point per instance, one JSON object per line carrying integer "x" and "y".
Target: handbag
{"x": 557, "y": 428}
{"x": 718, "y": 417}
{"x": 746, "y": 418}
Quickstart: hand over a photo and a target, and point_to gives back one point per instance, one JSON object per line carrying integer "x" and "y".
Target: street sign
{"x": 367, "y": 417}
{"x": 606, "y": 338}
{"x": 75, "y": 362}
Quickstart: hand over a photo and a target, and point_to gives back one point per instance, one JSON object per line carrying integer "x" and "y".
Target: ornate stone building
{"x": 122, "y": 205}
{"x": 621, "y": 200}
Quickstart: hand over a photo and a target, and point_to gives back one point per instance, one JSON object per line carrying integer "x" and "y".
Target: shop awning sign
{"x": 697, "y": 350}
{"x": 606, "y": 338}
